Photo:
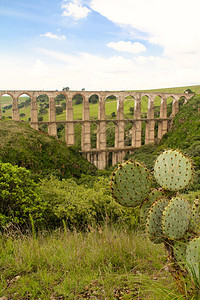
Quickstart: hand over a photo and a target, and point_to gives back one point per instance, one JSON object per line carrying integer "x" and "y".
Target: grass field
{"x": 101, "y": 264}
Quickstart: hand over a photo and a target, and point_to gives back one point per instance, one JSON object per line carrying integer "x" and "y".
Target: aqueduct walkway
{"x": 99, "y": 155}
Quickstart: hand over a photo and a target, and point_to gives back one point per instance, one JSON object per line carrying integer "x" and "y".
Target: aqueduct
{"x": 99, "y": 156}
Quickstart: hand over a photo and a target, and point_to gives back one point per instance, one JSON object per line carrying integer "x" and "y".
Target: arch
{"x": 77, "y": 102}
{"x": 42, "y": 102}
{"x": 170, "y": 101}
{"x": 60, "y": 107}
{"x": 129, "y": 107}
{"x": 110, "y": 134}
{"x": 93, "y": 111}
{"x": 24, "y": 106}
{"x": 111, "y": 107}
{"x": 6, "y": 104}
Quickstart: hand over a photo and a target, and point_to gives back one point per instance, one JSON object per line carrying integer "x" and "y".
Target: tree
{"x": 66, "y": 88}
{"x": 131, "y": 110}
{"x": 93, "y": 99}
{"x": 43, "y": 111}
{"x": 59, "y": 110}
{"x": 113, "y": 114}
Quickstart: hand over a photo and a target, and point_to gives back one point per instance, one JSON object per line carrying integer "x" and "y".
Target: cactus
{"x": 170, "y": 219}
{"x": 154, "y": 220}
{"x": 176, "y": 218}
{"x": 195, "y": 219}
{"x": 153, "y": 196}
{"x": 130, "y": 183}
{"x": 193, "y": 258}
{"x": 173, "y": 170}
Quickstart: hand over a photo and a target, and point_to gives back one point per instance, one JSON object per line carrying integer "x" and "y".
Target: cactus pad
{"x": 130, "y": 183}
{"x": 154, "y": 228}
{"x": 195, "y": 218}
{"x": 193, "y": 258}
{"x": 173, "y": 170}
{"x": 179, "y": 249}
{"x": 176, "y": 218}
{"x": 153, "y": 196}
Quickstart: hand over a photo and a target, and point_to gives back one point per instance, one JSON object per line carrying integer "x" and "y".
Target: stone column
{"x": 137, "y": 126}
{"x": 34, "y": 113}
{"x": 85, "y": 136}
{"x": 69, "y": 127}
{"x": 162, "y": 125}
{"x": 52, "y": 128}
{"x": 119, "y": 131}
{"x": 101, "y": 134}
{"x": 15, "y": 110}
{"x": 150, "y": 124}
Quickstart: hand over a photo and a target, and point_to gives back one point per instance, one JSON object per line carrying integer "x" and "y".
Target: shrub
{"x": 18, "y": 197}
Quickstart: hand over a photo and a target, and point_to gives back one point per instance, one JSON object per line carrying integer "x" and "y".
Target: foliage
{"x": 18, "y": 197}
{"x": 59, "y": 110}
{"x": 82, "y": 206}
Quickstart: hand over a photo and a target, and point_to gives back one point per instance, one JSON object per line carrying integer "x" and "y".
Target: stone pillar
{"x": 137, "y": 126}
{"x": 52, "y": 128}
{"x": 119, "y": 132}
{"x": 162, "y": 125}
{"x": 175, "y": 107}
{"x": 15, "y": 110}
{"x": 85, "y": 136}
{"x": 69, "y": 127}
{"x": 150, "y": 124}
{"x": 34, "y": 113}
{"x": 101, "y": 134}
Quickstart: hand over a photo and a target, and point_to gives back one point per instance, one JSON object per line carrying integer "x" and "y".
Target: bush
{"x": 82, "y": 206}
{"x": 18, "y": 197}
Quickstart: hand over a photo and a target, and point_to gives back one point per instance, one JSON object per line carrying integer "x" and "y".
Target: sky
{"x": 99, "y": 44}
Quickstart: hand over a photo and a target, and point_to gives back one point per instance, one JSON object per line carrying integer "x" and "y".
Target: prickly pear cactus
{"x": 154, "y": 228}
{"x": 195, "y": 218}
{"x": 153, "y": 196}
{"x": 193, "y": 258}
{"x": 130, "y": 183}
{"x": 176, "y": 218}
{"x": 173, "y": 170}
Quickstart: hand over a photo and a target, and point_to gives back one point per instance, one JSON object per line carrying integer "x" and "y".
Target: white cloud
{"x": 54, "y": 36}
{"x": 75, "y": 10}
{"x": 173, "y": 24}
{"x": 122, "y": 46}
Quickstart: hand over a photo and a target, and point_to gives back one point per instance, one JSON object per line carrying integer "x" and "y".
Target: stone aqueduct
{"x": 99, "y": 155}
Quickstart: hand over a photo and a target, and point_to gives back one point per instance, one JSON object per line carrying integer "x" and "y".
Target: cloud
{"x": 122, "y": 46}
{"x": 170, "y": 24}
{"x": 75, "y": 10}
{"x": 54, "y": 36}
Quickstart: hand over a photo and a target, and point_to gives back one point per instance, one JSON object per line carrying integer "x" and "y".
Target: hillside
{"x": 23, "y": 146}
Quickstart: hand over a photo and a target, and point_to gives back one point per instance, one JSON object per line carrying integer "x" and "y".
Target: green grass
{"x": 103, "y": 264}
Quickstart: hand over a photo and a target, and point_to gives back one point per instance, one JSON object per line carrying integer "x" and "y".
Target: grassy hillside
{"x": 23, "y": 146}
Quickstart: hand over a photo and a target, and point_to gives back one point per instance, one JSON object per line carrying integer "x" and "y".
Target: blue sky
{"x": 99, "y": 44}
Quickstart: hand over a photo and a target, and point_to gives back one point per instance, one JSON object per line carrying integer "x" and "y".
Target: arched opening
{"x": 110, "y": 134}
{"x": 129, "y": 107}
{"x": 169, "y": 105}
{"x": 24, "y": 105}
{"x": 182, "y": 101}
{"x": 129, "y": 110}
{"x": 109, "y": 159}
{"x": 60, "y": 107}
{"x": 43, "y": 111}
{"x": 77, "y": 103}
{"x": 144, "y": 106}
{"x": 6, "y": 106}
{"x": 157, "y": 103}
{"x": 93, "y": 108}
{"x": 111, "y": 107}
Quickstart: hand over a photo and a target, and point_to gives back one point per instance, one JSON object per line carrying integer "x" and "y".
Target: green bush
{"x": 18, "y": 197}
{"x": 81, "y": 206}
